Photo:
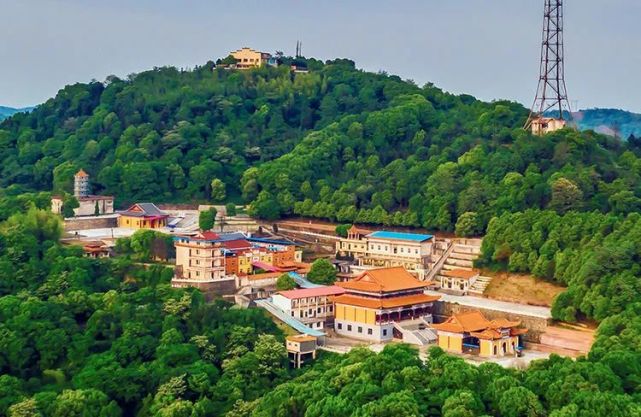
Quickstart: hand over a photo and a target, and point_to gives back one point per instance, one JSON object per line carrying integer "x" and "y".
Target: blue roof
{"x": 382, "y": 234}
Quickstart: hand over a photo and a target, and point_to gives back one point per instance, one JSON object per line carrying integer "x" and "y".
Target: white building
{"x": 312, "y": 306}
{"x": 383, "y": 249}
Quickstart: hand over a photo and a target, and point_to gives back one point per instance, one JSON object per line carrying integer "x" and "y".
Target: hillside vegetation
{"x": 106, "y": 338}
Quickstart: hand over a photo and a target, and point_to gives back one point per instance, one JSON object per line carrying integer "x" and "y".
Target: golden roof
{"x": 383, "y": 280}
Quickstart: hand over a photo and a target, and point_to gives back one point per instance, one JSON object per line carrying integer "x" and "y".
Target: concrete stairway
{"x": 412, "y": 334}
{"x": 462, "y": 256}
{"x": 479, "y": 286}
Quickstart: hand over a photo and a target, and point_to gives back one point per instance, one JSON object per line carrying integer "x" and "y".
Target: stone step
{"x": 467, "y": 249}
{"x": 466, "y": 256}
{"x": 459, "y": 263}
{"x": 447, "y": 266}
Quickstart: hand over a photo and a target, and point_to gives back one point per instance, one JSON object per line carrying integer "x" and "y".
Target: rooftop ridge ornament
{"x": 551, "y": 94}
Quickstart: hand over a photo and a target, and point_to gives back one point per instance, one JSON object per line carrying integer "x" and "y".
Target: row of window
{"x": 359, "y": 329}
{"x": 310, "y": 312}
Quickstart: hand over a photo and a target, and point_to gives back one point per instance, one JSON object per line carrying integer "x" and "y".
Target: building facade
{"x": 458, "y": 281}
{"x": 383, "y": 249}
{"x": 543, "y": 125}
{"x": 200, "y": 263}
{"x": 143, "y": 216}
{"x": 472, "y": 333}
{"x": 249, "y": 58}
{"x": 379, "y": 299}
{"x": 312, "y": 306}
{"x": 301, "y": 349}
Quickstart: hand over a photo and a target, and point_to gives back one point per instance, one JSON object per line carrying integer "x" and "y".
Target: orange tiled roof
{"x": 406, "y": 300}
{"x": 461, "y": 273}
{"x": 81, "y": 173}
{"x": 475, "y": 323}
{"x": 383, "y": 280}
{"x": 356, "y": 230}
{"x": 487, "y": 334}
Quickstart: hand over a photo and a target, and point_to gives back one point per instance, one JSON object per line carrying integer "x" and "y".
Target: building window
{"x": 318, "y": 310}
{"x": 340, "y": 326}
{"x": 349, "y": 327}
{"x": 384, "y": 332}
{"x": 369, "y": 332}
{"x": 360, "y": 329}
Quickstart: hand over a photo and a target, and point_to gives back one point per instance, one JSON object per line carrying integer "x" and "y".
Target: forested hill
{"x": 9, "y": 111}
{"x": 165, "y": 134}
{"x": 610, "y": 121}
{"x": 335, "y": 143}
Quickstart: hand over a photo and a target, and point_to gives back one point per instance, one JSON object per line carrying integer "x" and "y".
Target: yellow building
{"x": 378, "y": 302}
{"x": 143, "y": 216}
{"x": 543, "y": 125}
{"x": 381, "y": 249}
{"x": 250, "y": 58}
{"x": 200, "y": 263}
{"x": 472, "y": 333}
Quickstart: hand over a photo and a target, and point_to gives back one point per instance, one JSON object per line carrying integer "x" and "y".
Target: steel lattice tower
{"x": 551, "y": 95}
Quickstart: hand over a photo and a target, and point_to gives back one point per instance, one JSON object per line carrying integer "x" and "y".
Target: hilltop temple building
{"x": 88, "y": 205}
{"x": 143, "y": 216}
{"x": 377, "y": 302}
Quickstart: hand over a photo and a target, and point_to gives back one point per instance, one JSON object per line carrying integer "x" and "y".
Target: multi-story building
{"x": 387, "y": 249}
{"x": 245, "y": 256}
{"x": 472, "y": 333}
{"x": 200, "y": 263}
{"x": 312, "y": 306}
{"x": 250, "y": 58}
{"x": 88, "y": 205}
{"x": 378, "y": 300}
{"x": 143, "y": 216}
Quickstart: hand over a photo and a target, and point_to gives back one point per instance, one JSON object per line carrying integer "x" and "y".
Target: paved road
{"x": 479, "y": 302}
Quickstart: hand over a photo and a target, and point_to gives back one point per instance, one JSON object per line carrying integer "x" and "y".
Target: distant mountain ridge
{"x": 9, "y": 111}
{"x": 614, "y": 122}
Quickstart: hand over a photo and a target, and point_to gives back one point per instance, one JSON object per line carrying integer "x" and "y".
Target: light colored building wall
{"x": 140, "y": 223}
{"x": 248, "y": 58}
{"x": 363, "y": 331}
{"x": 200, "y": 261}
{"x": 355, "y": 314}
{"x": 451, "y": 342}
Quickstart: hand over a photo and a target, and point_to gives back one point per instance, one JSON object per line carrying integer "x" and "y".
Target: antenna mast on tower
{"x": 551, "y": 94}
{"x": 299, "y": 49}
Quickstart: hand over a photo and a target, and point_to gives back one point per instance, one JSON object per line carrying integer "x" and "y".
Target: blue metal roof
{"x": 383, "y": 234}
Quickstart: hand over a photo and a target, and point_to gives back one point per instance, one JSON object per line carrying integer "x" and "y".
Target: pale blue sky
{"x": 487, "y": 48}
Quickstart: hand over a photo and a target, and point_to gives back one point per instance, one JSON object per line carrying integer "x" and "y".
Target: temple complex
{"x": 378, "y": 301}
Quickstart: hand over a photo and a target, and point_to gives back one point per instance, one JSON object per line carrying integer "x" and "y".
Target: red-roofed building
{"x": 312, "y": 306}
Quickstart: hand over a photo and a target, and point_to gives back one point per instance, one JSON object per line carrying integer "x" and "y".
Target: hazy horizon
{"x": 462, "y": 46}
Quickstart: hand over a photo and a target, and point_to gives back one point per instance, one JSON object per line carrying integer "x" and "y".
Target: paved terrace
{"x": 486, "y": 303}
